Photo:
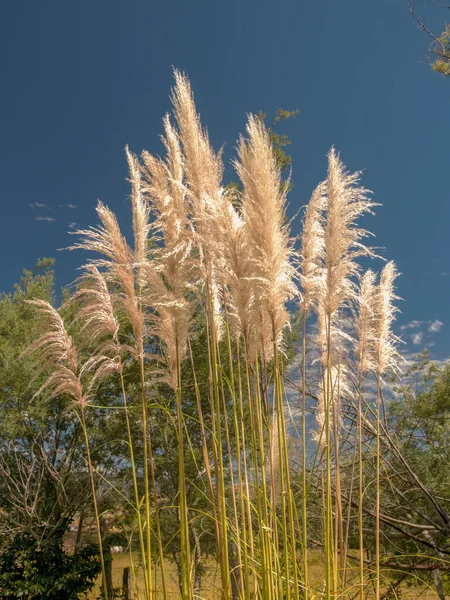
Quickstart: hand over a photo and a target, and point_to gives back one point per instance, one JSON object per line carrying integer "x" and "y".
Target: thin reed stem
{"x": 94, "y": 500}
{"x": 361, "y": 493}
{"x": 135, "y": 484}
{"x": 220, "y": 473}
{"x": 378, "y": 492}
{"x": 268, "y": 565}
{"x": 331, "y": 583}
{"x": 304, "y": 459}
{"x": 237, "y": 432}
{"x": 186, "y": 587}
{"x": 246, "y": 494}
{"x": 146, "y": 457}
{"x": 292, "y": 556}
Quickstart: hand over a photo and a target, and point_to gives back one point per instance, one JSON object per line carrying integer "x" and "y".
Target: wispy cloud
{"x": 72, "y": 206}
{"x": 34, "y": 205}
{"x": 72, "y": 225}
{"x": 411, "y": 325}
{"x": 45, "y": 219}
{"x": 435, "y": 326}
{"x": 431, "y": 326}
{"x": 417, "y": 338}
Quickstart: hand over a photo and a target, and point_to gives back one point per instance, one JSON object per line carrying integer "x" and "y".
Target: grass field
{"x": 211, "y": 582}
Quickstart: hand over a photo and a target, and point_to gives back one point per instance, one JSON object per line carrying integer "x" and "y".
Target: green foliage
{"x": 440, "y": 45}
{"x": 279, "y": 140}
{"x": 420, "y": 418}
{"x": 441, "y": 49}
{"x": 41, "y": 482}
{"x": 34, "y": 568}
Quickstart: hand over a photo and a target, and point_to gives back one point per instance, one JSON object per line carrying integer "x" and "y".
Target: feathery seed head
{"x": 346, "y": 202}
{"x": 202, "y": 165}
{"x": 203, "y": 174}
{"x": 366, "y": 302}
{"x": 263, "y": 208}
{"x": 95, "y": 306}
{"x": 169, "y": 278}
{"x": 312, "y": 251}
{"x": 57, "y": 355}
{"x": 140, "y": 212}
{"x": 386, "y": 342}
{"x": 336, "y": 380}
{"x": 117, "y": 259}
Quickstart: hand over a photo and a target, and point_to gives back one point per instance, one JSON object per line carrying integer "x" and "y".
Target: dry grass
{"x": 211, "y": 581}
{"x": 210, "y": 588}
{"x": 237, "y": 265}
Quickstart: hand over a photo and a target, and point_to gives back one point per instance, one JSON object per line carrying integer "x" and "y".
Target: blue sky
{"x": 82, "y": 79}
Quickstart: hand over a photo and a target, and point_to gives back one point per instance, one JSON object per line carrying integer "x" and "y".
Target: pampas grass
{"x": 386, "y": 357}
{"x": 196, "y": 251}
{"x": 59, "y": 359}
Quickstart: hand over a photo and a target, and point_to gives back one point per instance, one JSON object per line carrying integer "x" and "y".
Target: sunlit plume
{"x": 58, "y": 356}
{"x": 140, "y": 214}
{"x": 203, "y": 175}
{"x": 312, "y": 249}
{"x": 366, "y": 323}
{"x": 263, "y": 209}
{"x": 117, "y": 261}
{"x": 99, "y": 330}
{"x": 170, "y": 275}
{"x": 386, "y": 354}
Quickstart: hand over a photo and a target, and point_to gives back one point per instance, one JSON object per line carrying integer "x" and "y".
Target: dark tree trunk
{"x": 438, "y": 584}
{"x": 126, "y": 583}
{"x": 107, "y": 557}
{"x": 197, "y": 562}
{"x": 235, "y": 571}
{"x": 177, "y": 561}
{"x": 79, "y": 532}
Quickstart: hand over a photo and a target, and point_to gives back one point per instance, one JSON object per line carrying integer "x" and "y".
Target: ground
{"x": 211, "y": 581}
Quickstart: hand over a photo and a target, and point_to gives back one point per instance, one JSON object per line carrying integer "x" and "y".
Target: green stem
{"x": 244, "y": 460}
{"x": 304, "y": 489}
{"x": 145, "y": 444}
{"x": 268, "y": 565}
{"x": 186, "y": 588}
{"x": 361, "y": 492}
{"x": 94, "y": 499}
{"x": 378, "y": 493}
{"x": 329, "y": 550}
{"x": 284, "y": 460}
{"x": 135, "y": 483}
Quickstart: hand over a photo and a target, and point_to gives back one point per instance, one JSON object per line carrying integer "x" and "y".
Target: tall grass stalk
{"x": 304, "y": 528}
{"x": 234, "y": 575}
{"x": 287, "y": 493}
{"x": 361, "y": 495}
{"x": 135, "y": 486}
{"x": 240, "y": 453}
{"x": 217, "y": 436}
{"x": 386, "y": 357}
{"x": 186, "y": 584}
{"x": 377, "y": 492}
{"x": 94, "y": 502}
{"x": 259, "y": 485}
{"x": 246, "y": 490}
{"x": 201, "y": 238}
{"x": 146, "y": 459}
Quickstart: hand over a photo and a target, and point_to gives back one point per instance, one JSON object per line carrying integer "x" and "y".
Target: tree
{"x": 33, "y": 569}
{"x": 416, "y": 452}
{"x": 440, "y": 45}
{"x": 42, "y": 472}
